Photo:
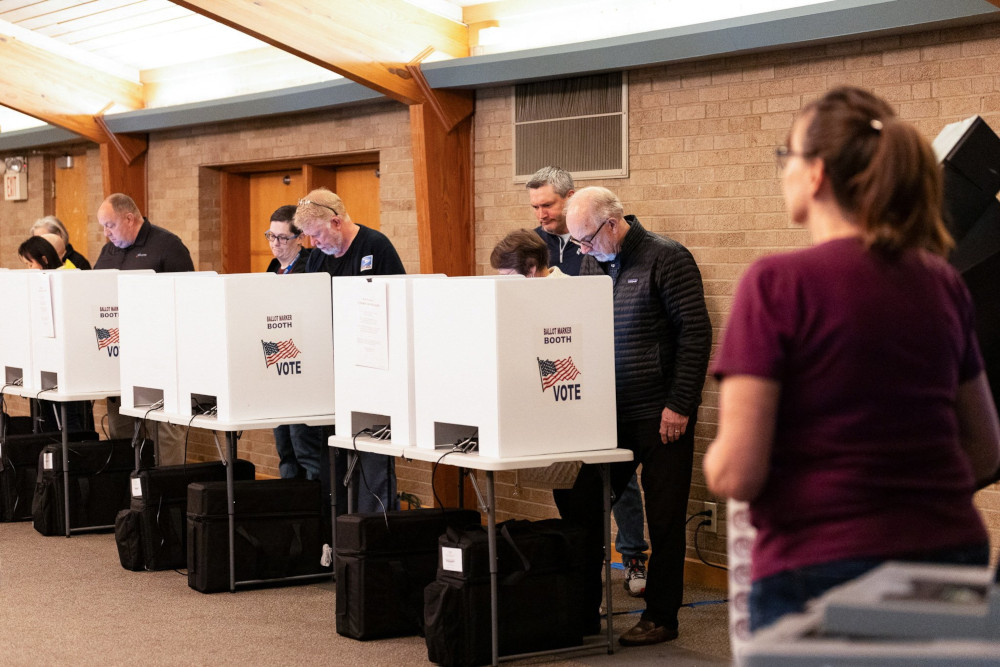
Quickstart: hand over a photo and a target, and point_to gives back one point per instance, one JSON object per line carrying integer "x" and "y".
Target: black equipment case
{"x": 279, "y": 532}
{"x": 20, "y": 425}
{"x": 540, "y": 577}
{"x": 19, "y": 469}
{"x": 152, "y": 533}
{"x": 384, "y": 561}
{"x": 99, "y": 486}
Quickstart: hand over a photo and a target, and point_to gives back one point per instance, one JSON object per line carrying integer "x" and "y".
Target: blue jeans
{"x": 300, "y": 450}
{"x": 374, "y": 476}
{"x": 787, "y": 592}
{"x": 631, "y": 539}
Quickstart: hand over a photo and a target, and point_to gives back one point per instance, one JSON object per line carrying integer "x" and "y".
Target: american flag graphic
{"x": 275, "y": 352}
{"x": 556, "y": 371}
{"x": 106, "y": 337}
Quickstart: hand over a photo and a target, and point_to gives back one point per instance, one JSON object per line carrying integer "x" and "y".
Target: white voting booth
{"x": 148, "y": 333}
{"x": 373, "y": 339}
{"x": 255, "y": 345}
{"x": 74, "y": 331}
{"x": 15, "y": 330}
{"x": 527, "y": 364}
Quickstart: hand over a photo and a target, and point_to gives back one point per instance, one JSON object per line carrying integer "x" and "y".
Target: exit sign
{"x": 15, "y": 186}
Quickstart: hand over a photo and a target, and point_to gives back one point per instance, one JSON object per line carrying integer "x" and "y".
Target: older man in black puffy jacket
{"x": 663, "y": 338}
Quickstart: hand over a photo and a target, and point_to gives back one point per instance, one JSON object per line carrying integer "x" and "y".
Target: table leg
{"x": 231, "y": 440}
{"x": 606, "y": 478}
{"x": 36, "y": 415}
{"x": 491, "y": 536}
{"x": 65, "y": 448}
{"x": 333, "y": 501}
{"x": 137, "y": 444}
{"x": 353, "y": 461}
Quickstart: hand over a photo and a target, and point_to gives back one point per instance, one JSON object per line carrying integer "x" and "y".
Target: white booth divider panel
{"x": 373, "y": 339}
{"x": 15, "y": 327}
{"x": 528, "y": 364}
{"x": 147, "y": 318}
{"x": 256, "y": 345}
{"x": 74, "y": 331}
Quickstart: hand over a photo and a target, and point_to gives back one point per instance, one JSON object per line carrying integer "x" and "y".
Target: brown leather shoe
{"x": 644, "y": 633}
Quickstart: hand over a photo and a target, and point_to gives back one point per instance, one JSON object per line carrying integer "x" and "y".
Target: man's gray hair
{"x": 600, "y": 203}
{"x": 560, "y": 180}
{"x": 50, "y": 224}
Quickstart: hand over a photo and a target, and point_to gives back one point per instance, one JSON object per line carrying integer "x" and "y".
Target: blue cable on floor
{"x": 619, "y": 566}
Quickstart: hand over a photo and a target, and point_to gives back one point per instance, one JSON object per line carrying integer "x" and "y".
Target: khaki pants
{"x": 168, "y": 438}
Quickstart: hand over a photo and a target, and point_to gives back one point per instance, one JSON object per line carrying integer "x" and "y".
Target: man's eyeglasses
{"x": 783, "y": 153}
{"x": 280, "y": 238}
{"x": 316, "y": 203}
{"x": 589, "y": 241}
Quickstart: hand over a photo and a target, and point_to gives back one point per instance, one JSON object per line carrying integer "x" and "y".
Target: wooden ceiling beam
{"x": 367, "y": 41}
{"x": 58, "y": 90}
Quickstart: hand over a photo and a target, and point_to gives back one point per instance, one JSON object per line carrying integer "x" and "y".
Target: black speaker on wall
{"x": 969, "y": 152}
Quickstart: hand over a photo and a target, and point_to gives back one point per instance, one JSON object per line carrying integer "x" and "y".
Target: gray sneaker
{"x": 635, "y": 577}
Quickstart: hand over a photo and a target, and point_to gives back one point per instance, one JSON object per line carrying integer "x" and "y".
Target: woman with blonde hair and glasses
{"x": 855, "y": 415}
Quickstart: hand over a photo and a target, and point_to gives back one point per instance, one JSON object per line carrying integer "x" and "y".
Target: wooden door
{"x": 268, "y": 192}
{"x": 358, "y": 187}
{"x": 249, "y": 199}
{"x": 71, "y": 202}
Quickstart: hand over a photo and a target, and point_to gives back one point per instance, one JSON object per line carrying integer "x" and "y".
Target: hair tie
{"x": 876, "y": 125}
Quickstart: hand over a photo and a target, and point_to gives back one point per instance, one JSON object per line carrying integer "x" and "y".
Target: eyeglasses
{"x": 316, "y": 203}
{"x": 280, "y": 238}
{"x": 589, "y": 241}
{"x": 782, "y": 153}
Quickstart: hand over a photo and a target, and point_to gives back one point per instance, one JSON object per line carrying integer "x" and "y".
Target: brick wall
{"x": 701, "y": 169}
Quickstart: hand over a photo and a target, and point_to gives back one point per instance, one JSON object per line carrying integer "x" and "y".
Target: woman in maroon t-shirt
{"x": 855, "y": 415}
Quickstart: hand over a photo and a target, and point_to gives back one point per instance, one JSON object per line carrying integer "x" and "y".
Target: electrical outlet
{"x": 713, "y": 517}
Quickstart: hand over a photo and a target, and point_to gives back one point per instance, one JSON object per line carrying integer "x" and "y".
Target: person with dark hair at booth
{"x": 855, "y": 415}
{"x": 37, "y": 253}
{"x": 523, "y": 253}
{"x": 283, "y": 237}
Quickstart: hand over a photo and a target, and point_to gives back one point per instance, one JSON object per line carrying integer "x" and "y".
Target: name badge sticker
{"x": 451, "y": 559}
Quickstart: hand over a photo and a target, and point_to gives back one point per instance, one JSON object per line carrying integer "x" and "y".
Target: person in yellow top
{"x": 60, "y": 247}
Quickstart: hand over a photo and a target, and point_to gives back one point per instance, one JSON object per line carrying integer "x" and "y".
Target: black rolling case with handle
{"x": 383, "y": 564}
{"x": 99, "y": 488}
{"x": 279, "y": 532}
{"x": 152, "y": 533}
{"x": 540, "y": 579}
{"x": 19, "y": 469}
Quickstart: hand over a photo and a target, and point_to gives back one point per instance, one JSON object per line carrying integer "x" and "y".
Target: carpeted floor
{"x": 69, "y": 601}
